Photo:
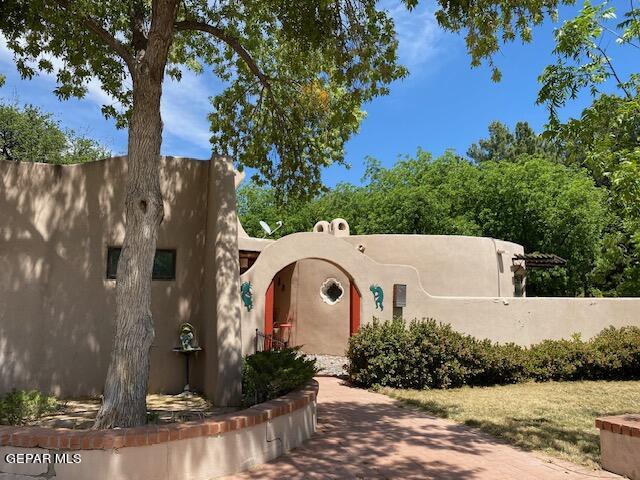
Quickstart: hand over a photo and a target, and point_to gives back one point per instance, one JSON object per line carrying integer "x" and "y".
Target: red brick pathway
{"x": 364, "y": 435}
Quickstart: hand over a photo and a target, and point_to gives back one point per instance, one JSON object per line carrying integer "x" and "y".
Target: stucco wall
{"x": 56, "y": 305}
{"x": 318, "y": 326}
{"x": 448, "y": 265}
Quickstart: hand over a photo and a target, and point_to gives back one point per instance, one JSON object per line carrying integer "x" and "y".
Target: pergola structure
{"x": 539, "y": 260}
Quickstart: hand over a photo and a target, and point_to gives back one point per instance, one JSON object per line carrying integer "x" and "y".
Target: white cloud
{"x": 419, "y": 35}
{"x": 185, "y": 104}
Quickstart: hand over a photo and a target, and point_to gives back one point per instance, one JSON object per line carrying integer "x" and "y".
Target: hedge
{"x": 427, "y": 354}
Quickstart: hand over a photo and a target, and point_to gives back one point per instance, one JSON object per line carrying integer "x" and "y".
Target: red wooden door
{"x": 268, "y": 310}
{"x": 354, "y": 310}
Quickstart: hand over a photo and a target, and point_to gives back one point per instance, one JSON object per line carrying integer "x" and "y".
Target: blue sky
{"x": 443, "y": 104}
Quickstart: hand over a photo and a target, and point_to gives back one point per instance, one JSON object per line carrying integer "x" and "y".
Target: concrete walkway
{"x": 364, "y": 435}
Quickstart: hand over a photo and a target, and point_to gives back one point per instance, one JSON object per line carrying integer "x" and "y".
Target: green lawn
{"x": 556, "y": 418}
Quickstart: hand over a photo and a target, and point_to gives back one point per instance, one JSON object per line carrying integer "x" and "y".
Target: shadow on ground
{"x": 375, "y": 441}
{"x": 363, "y": 435}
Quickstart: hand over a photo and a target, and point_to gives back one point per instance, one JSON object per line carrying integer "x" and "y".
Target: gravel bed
{"x": 330, "y": 365}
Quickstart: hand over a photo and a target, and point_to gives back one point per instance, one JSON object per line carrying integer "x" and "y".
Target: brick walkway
{"x": 364, "y": 435}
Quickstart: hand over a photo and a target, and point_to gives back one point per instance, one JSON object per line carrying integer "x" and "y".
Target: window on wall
{"x": 331, "y": 291}
{"x": 164, "y": 263}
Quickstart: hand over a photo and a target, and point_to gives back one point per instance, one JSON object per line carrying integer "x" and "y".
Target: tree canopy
{"x": 504, "y": 145}
{"x": 604, "y": 139}
{"x": 295, "y": 74}
{"x": 27, "y": 134}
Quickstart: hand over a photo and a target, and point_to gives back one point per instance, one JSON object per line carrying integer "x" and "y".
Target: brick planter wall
{"x": 620, "y": 444}
{"x": 235, "y": 441}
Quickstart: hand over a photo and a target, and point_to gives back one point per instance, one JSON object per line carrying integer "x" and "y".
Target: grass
{"x": 555, "y": 418}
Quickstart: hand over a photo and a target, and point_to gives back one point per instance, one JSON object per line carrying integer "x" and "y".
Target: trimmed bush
{"x": 20, "y": 407}
{"x": 561, "y": 360}
{"x": 271, "y": 374}
{"x": 617, "y": 353}
{"x": 426, "y": 354}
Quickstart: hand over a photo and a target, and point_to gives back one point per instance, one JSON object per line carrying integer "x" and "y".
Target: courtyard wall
{"x": 504, "y": 319}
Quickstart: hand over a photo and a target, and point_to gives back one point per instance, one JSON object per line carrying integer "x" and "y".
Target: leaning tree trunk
{"x": 125, "y": 391}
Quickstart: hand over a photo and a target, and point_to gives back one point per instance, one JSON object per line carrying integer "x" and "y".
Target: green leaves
{"x": 487, "y": 24}
{"x": 318, "y": 69}
{"x": 581, "y": 59}
{"x": 45, "y": 37}
{"x": 29, "y": 135}
{"x": 296, "y": 74}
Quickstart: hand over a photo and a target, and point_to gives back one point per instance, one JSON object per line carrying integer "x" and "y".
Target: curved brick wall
{"x": 198, "y": 449}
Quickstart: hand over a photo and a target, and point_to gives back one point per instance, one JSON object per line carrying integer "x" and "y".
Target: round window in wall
{"x": 331, "y": 291}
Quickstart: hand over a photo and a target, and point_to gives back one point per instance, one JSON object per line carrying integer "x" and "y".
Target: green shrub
{"x": 19, "y": 407}
{"x": 378, "y": 355}
{"x": 561, "y": 360}
{"x": 617, "y": 353}
{"x": 271, "y": 374}
{"x": 500, "y": 364}
{"x": 427, "y": 354}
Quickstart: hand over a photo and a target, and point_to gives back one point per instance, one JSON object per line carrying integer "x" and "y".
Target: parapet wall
{"x": 195, "y": 450}
{"x": 526, "y": 321}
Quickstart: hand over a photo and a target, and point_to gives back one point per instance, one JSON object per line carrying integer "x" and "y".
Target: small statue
{"x": 378, "y": 296}
{"x": 187, "y": 336}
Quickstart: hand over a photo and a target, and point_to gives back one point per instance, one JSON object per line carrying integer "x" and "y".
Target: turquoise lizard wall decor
{"x": 247, "y": 295}
{"x": 378, "y": 296}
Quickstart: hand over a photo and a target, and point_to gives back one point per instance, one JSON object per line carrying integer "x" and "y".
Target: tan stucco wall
{"x": 448, "y": 265}
{"x": 506, "y": 319}
{"x": 318, "y": 326}
{"x": 56, "y": 305}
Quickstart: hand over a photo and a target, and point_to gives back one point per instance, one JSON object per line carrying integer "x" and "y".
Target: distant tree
{"x": 546, "y": 207}
{"x": 28, "y": 134}
{"x": 504, "y": 145}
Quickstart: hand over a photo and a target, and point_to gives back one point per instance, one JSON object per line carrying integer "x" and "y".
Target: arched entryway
{"x": 314, "y": 304}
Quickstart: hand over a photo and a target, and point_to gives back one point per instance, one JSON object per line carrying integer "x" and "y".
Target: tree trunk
{"x": 124, "y": 403}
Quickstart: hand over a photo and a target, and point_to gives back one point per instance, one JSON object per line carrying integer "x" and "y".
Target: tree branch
{"x": 118, "y": 47}
{"x": 233, "y": 42}
{"x": 613, "y": 71}
{"x": 136, "y": 18}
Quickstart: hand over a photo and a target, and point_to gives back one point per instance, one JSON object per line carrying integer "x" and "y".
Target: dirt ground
{"x": 162, "y": 409}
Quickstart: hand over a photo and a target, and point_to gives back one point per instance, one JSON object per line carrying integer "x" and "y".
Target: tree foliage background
{"x": 28, "y": 134}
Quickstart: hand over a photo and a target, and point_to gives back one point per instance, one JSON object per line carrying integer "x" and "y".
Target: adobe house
{"x": 61, "y": 227}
